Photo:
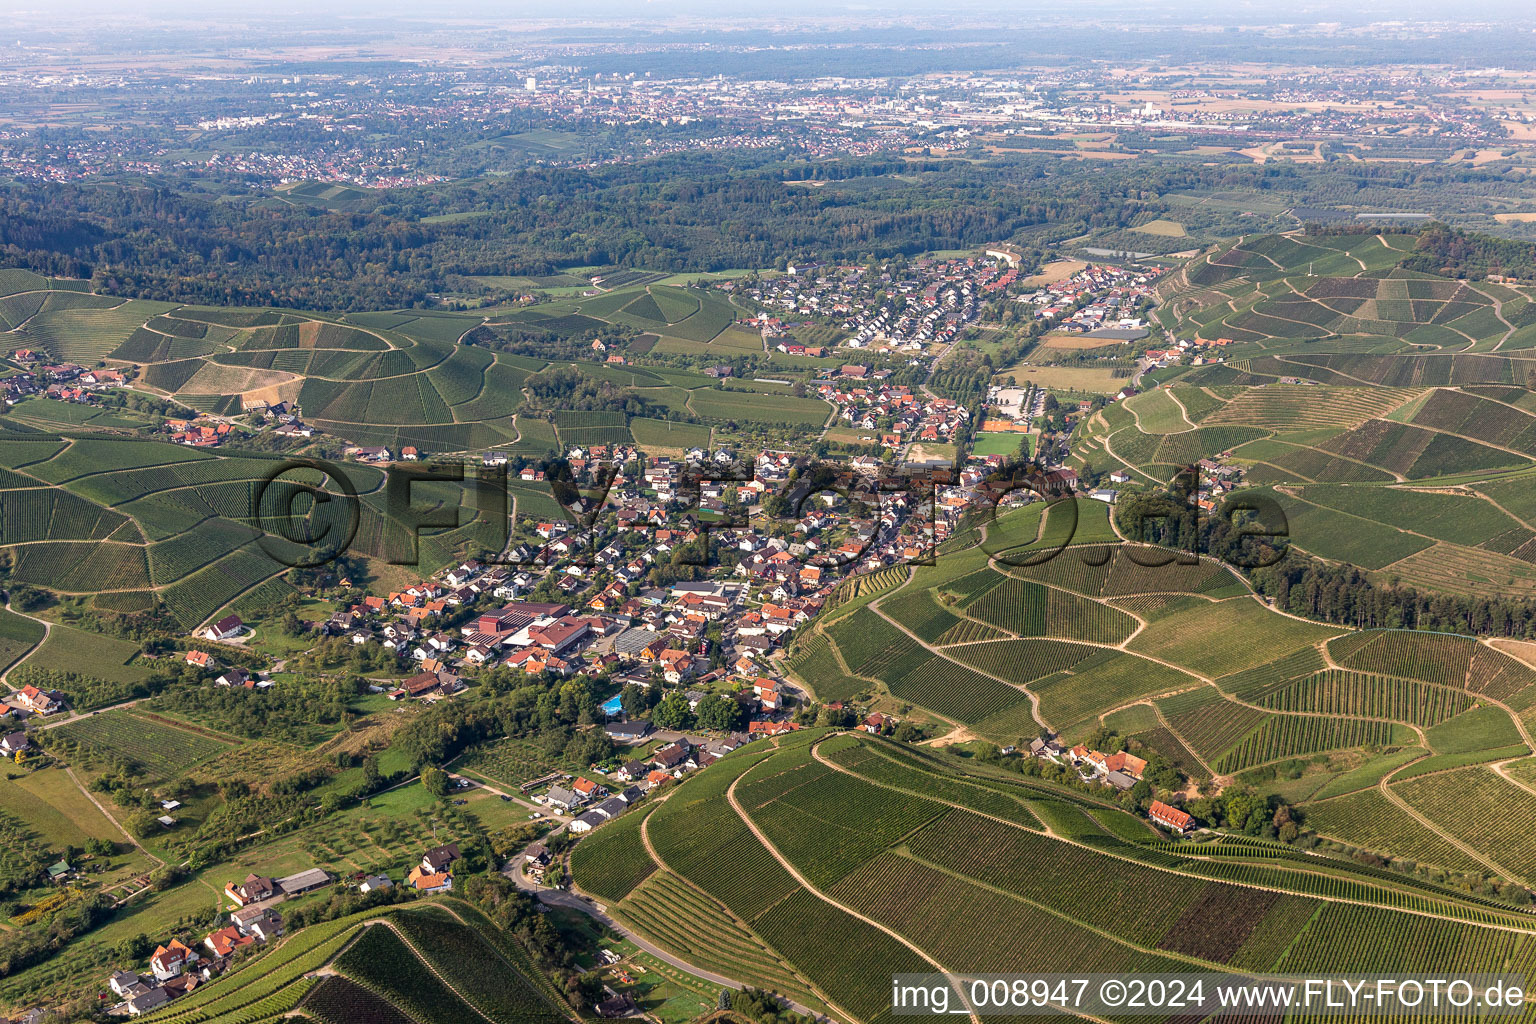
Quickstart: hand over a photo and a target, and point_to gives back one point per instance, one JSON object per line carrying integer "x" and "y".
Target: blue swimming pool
{"x": 613, "y": 705}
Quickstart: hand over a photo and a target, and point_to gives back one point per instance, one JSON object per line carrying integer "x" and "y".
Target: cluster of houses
{"x": 234, "y": 676}
{"x": 893, "y": 412}
{"x": 371, "y": 454}
{"x": 1122, "y": 770}
{"x": 594, "y": 804}
{"x": 1217, "y": 480}
{"x": 198, "y": 433}
{"x": 658, "y": 631}
{"x": 930, "y": 302}
{"x": 1204, "y": 350}
{"x": 64, "y": 382}
{"x": 176, "y": 968}
{"x": 1093, "y": 300}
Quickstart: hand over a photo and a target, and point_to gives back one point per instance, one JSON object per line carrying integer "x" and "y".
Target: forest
{"x": 683, "y": 213}
{"x": 1311, "y": 587}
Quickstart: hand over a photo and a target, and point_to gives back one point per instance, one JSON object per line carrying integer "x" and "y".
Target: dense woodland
{"x": 1449, "y": 253}
{"x": 1308, "y": 586}
{"x": 695, "y": 212}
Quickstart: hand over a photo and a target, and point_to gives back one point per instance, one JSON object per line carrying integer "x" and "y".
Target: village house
{"x": 39, "y": 702}
{"x": 586, "y": 822}
{"x": 1171, "y": 818}
{"x": 168, "y": 961}
{"x": 254, "y": 889}
{"x": 264, "y": 923}
{"x": 226, "y": 628}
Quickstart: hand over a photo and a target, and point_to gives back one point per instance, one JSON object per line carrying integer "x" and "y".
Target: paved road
{"x": 47, "y": 629}
{"x": 573, "y": 901}
{"x": 75, "y": 716}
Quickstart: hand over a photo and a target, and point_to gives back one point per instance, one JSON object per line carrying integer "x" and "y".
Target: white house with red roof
{"x": 226, "y": 628}
{"x": 1171, "y": 818}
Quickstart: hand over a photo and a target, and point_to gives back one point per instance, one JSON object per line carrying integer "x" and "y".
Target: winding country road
{"x": 47, "y": 629}
{"x": 574, "y": 901}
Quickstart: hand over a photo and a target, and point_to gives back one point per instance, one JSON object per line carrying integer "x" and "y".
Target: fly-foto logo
{"x": 309, "y": 513}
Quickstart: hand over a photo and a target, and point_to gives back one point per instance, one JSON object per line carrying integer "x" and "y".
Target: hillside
{"x": 1184, "y": 661}
{"x": 441, "y": 962}
{"x": 1386, "y": 409}
{"x": 95, "y": 500}
{"x": 843, "y": 859}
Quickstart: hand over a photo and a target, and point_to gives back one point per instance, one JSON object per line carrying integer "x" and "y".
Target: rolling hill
{"x": 837, "y": 860}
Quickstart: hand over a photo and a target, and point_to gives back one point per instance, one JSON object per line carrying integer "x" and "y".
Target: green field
{"x": 999, "y": 443}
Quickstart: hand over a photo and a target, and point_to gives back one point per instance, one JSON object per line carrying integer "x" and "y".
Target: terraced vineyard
{"x": 903, "y": 854}
{"x": 1176, "y": 658}
{"x": 615, "y": 855}
{"x": 667, "y": 910}
{"x": 441, "y": 382}
{"x": 1383, "y": 404}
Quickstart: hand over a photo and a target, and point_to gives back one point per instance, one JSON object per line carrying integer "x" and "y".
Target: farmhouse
{"x": 586, "y": 822}
{"x": 1050, "y": 748}
{"x": 440, "y": 858}
{"x": 671, "y": 756}
{"x": 621, "y": 1005}
{"x": 628, "y": 732}
{"x": 429, "y": 881}
{"x": 878, "y": 723}
{"x": 418, "y": 685}
{"x": 262, "y": 921}
{"x": 170, "y": 960}
{"x": 1109, "y": 765}
{"x": 39, "y": 702}
{"x": 149, "y": 999}
{"x": 254, "y": 889}
{"x": 563, "y": 798}
{"x": 588, "y": 789}
{"x": 1171, "y": 818}
{"x": 226, "y": 628}
{"x": 226, "y": 940}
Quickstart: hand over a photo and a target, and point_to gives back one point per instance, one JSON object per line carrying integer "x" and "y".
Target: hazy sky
{"x": 1303, "y": 11}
